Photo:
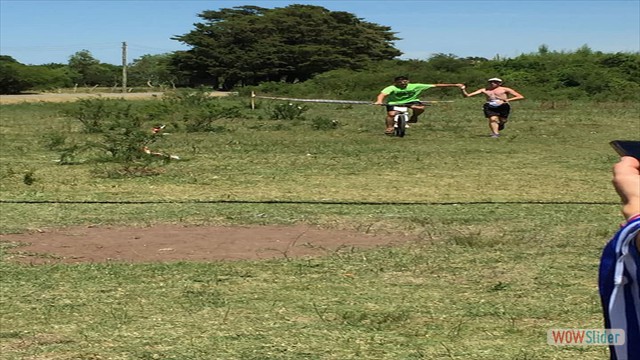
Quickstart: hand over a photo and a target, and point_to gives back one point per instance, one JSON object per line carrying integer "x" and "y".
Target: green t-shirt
{"x": 396, "y": 96}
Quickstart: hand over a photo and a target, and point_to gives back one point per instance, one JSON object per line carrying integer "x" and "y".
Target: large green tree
{"x": 250, "y": 44}
{"x": 16, "y": 77}
{"x": 87, "y": 70}
{"x": 13, "y": 76}
{"x": 152, "y": 70}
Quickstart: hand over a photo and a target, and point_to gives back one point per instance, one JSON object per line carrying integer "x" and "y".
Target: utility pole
{"x": 124, "y": 67}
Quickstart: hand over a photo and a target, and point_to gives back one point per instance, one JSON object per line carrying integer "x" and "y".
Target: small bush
{"x": 94, "y": 113}
{"x": 288, "y": 111}
{"x": 121, "y": 136}
{"x": 193, "y": 111}
{"x": 54, "y": 141}
{"x": 29, "y": 177}
{"x": 323, "y": 123}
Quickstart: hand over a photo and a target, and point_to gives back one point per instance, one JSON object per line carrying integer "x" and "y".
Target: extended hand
{"x": 626, "y": 180}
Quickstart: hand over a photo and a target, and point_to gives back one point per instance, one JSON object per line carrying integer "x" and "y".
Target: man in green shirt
{"x": 405, "y": 94}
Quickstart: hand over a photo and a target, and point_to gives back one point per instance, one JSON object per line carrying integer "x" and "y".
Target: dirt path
{"x": 166, "y": 243}
{"x": 66, "y": 97}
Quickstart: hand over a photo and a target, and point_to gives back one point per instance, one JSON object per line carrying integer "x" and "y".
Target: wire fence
{"x": 307, "y": 202}
{"x": 328, "y": 101}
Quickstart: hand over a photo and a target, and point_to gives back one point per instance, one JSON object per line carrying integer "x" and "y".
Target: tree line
{"x": 84, "y": 70}
{"x": 544, "y": 75}
{"x": 311, "y": 51}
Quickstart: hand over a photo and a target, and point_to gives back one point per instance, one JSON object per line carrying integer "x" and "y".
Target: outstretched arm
{"x": 447, "y": 85}
{"x": 626, "y": 181}
{"x": 466, "y": 94}
{"x": 380, "y": 99}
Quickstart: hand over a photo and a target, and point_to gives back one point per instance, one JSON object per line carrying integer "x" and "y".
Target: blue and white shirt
{"x": 619, "y": 277}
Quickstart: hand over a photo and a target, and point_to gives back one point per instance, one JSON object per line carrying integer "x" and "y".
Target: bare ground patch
{"x": 67, "y": 97}
{"x": 167, "y": 243}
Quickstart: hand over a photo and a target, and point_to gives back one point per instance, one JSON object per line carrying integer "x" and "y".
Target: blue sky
{"x": 45, "y": 31}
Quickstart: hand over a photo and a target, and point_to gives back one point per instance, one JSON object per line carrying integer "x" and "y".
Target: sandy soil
{"x": 66, "y": 97}
{"x": 166, "y": 243}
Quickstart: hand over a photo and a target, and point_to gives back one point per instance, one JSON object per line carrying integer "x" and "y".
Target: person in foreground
{"x": 403, "y": 93}
{"x": 619, "y": 271}
{"x": 496, "y": 108}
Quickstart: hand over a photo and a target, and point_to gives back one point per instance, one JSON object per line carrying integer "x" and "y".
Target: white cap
{"x": 495, "y": 79}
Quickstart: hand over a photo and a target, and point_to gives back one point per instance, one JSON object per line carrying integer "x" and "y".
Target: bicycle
{"x": 400, "y": 120}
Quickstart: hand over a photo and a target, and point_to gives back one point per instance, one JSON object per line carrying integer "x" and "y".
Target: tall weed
{"x": 192, "y": 111}
{"x": 119, "y": 134}
{"x": 288, "y": 111}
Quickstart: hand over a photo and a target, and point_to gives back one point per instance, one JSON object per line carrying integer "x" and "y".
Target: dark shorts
{"x": 500, "y": 111}
{"x": 390, "y": 107}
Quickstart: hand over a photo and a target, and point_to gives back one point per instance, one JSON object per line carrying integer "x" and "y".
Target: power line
{"x": 60, "y": 47}
{"x": 72, "y": 47}
{"x": 143, "y": 47}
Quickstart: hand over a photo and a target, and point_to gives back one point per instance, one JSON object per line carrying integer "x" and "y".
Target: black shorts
{"x": 500, "y": 111}
{"x": 390, "y": 107}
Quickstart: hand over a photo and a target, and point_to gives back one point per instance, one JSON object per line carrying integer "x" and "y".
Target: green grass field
{"x": 509, "y": 236}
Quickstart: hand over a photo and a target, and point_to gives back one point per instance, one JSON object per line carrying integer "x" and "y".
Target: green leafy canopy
{"x": 249, "y": 44}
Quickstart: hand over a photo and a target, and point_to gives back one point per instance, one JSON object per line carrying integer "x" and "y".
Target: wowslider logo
{"x": 586, "y": 337}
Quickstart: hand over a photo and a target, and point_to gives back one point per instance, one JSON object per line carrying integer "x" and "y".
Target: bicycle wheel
{"x": 401, "y": 124}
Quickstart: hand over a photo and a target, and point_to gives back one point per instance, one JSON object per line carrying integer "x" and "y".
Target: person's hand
{"x": 461, "y": 86}
{"x": 626, "y": 181}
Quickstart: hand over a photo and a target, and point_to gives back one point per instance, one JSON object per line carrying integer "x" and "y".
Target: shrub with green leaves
{"x": 94, "y": 114}
{"x": 29, "y": 177}
{"x": 324, "y": 123}
{"x": 193, "y": 111}
{"x": 118, "y": 134}
{"x": 124, "y": 139}
{"x": 288, "y": 111}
